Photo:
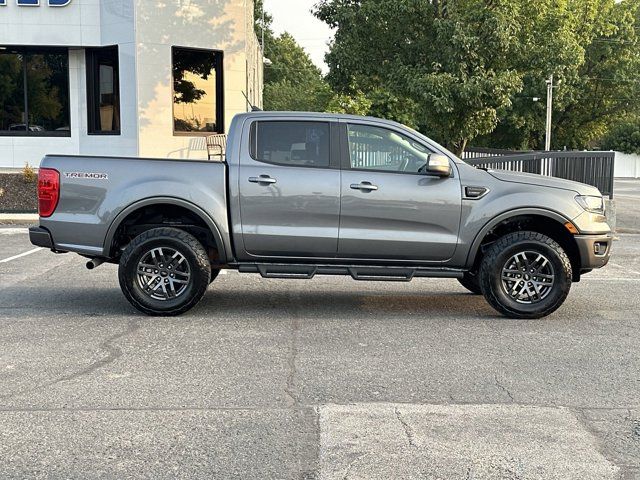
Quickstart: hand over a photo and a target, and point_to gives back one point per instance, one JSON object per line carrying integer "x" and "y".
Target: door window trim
{"x": 334, "y": 142}
{"x": 345, "y": 150}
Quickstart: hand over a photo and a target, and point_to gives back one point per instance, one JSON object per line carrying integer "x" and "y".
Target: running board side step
{"x": 357, "y": 272}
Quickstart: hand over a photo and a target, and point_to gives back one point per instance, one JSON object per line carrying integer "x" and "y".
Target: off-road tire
{"x": 180, "y": 241}
{"x": 501, "y": 251}
{"x": 471, "y": 282}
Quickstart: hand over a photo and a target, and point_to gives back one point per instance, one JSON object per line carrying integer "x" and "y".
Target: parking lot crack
{"x": 292, "y": 355}
{"x": 408, "y": 431}
{"x": 502, "y": 387}
{"x": 113, "y": 353}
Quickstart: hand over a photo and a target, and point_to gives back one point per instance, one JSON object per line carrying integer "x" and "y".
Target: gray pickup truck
{"x": 304, "y": 194}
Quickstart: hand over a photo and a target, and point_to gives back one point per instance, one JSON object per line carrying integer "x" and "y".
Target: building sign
{"x": 36, "y": 3}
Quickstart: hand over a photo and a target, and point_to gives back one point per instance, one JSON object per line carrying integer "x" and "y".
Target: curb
{"x": 19, "y": 218}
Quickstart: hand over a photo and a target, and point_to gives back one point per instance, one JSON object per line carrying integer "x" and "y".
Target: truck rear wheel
{"x": 164, "y": 272}
{"x": 525, "y": 275}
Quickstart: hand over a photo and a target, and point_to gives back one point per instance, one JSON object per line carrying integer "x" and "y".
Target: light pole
{"x": 547, "y": 143}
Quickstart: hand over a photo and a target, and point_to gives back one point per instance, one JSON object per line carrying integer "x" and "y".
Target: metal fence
{"x": 592, "y": 168}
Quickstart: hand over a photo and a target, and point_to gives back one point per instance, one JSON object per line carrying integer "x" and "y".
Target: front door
{"x": 390, "y": 208}
{"x": 290, "y": 190}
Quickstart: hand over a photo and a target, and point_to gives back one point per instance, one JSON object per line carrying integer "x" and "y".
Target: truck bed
{"x": 98, "y": 192}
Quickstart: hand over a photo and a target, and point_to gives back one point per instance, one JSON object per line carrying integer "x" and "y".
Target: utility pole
{"x": 547, "y": 145}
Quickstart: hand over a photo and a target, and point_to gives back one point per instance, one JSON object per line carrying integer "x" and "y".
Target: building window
{"x": 294, "y": 144}
{"x": 34, "y": 92}
{"x": 103, "y": 92}
{"x": 198, "y": 93}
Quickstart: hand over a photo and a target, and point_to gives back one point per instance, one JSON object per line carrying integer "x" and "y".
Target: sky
{"x": 295, "y": 17}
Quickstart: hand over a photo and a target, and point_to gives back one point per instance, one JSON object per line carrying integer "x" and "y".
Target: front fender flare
{"x": 475, "y": 246}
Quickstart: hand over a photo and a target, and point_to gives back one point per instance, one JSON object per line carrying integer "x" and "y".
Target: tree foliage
{"x": 291, "y": 81}
{"x": 466, "y": 69}
{"x": 624, "y": 137}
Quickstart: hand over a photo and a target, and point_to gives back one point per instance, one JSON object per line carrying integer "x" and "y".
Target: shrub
{"x": 29, "y": 174}
{"x": 624, "y": 137}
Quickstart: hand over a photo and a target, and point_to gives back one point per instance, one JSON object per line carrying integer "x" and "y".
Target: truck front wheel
{"x": 164, "y": 272}
{"x": 525, "y": 275}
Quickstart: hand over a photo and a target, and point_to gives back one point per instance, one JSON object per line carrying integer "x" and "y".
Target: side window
{"x": 296, "y": 144}
{"x": 375, "y": 148}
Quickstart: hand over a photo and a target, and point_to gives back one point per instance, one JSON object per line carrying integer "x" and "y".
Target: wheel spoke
{"x": 163, "y": 273}
{"x": 528, "y": 277}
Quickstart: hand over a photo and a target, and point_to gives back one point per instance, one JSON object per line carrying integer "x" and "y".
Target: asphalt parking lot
{"x": 321, "y": 379}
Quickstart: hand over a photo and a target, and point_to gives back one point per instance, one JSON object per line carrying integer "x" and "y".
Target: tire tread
{"x": 203, "y": 269}
{"x": 491, "y": 259}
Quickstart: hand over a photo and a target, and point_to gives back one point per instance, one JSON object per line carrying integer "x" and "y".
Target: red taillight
{"x": 48, "y": 191}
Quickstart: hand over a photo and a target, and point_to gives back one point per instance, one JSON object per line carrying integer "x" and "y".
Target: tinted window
{"x": 34, "y": 91}
{"x": 301, "y": 144}
{"x": 198, "y": 101}
{"x": 374, "y": 148}
{"x": 103, "y": 95}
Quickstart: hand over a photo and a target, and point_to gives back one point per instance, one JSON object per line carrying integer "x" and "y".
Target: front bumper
{"x": 40, "y": 237}
{"x": 595, "y": 250}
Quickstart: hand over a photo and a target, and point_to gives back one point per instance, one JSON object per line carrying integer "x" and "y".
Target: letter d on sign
{"x": 36, "y": 3}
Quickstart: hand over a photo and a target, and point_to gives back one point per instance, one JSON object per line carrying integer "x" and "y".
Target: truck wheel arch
{"x": 126, "y": 212}
{"x": 524, "y": 214}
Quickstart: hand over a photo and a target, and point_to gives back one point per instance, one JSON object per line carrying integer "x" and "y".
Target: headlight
{"x": 591, "y": 204}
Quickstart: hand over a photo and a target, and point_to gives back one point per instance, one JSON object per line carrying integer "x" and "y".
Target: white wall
{"x": 211, "y": 24}
{"x": 145, "y": 32}
{"x": 627, "y": 166}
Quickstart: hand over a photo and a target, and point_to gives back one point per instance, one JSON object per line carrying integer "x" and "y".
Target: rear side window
{"x": 296, "y": 144}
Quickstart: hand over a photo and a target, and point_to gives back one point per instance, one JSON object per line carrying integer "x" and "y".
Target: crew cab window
{"x": 297, "y": 144}
{"x": 380, "y": 149}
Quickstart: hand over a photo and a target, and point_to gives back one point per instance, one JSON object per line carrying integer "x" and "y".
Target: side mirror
{"x": 438, "y": 165}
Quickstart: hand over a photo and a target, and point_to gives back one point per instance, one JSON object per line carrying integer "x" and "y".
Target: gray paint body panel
{"x": 88, "y": 208}
{"x": 310, "y": 215}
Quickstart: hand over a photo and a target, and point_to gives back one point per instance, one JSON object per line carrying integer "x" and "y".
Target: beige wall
{"x": 225, "y": 25}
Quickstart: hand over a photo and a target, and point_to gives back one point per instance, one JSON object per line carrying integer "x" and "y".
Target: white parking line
{"x": 6, "y": 260}
{"x": 13, "y": 231}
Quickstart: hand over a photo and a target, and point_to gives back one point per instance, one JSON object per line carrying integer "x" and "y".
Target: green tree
{"x": 291, "y": 81}
{"x": 461, "y": 70}
{"x": 596, "y": 75}
{"x": 442, "y": 65}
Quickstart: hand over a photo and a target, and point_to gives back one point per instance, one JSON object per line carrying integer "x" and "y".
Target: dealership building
{"x": 123, "y": 77}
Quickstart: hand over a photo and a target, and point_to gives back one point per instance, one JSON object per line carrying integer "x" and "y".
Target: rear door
{"x": 390, "y": 208}
{"x": 290, "y": 189}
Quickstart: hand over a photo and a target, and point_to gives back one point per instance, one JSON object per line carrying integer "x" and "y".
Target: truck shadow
{"x": 323, "y": 303}
{"x": 238, "y": 303}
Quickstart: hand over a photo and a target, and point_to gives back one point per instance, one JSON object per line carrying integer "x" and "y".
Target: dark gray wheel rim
{"x": 163, "y": 274}
{"x": 528, "y": 277}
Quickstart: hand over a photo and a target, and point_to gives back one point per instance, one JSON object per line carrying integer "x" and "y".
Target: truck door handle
{"x": 265, "y": 179}
{"x": 364, "y": 186}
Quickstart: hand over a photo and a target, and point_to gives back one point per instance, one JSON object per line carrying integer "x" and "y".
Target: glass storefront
{"x": 34, "y": 92}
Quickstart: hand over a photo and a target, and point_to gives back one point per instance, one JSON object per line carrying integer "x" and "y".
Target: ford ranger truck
{"x": 305, "y": 194}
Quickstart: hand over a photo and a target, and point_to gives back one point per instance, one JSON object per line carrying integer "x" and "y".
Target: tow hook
{"x": 94, "y": 263}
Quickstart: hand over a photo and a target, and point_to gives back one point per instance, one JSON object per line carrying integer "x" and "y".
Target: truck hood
{"x": 544, "y": 181}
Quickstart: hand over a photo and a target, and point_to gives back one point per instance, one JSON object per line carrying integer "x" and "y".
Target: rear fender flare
{"x": 215, "y": 231}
